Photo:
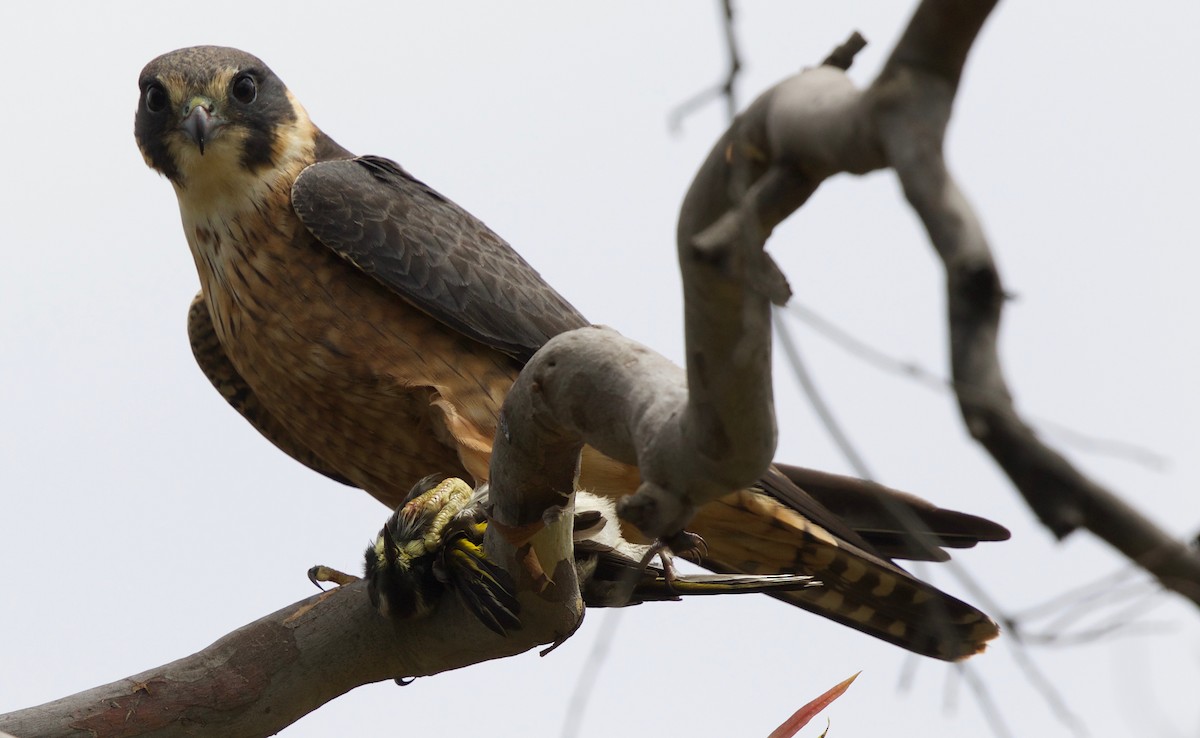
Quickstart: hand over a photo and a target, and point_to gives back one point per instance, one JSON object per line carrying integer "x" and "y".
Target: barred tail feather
{"x": 755, "y": 534}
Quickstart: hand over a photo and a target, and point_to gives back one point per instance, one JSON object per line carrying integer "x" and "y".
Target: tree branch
{"x": 913, "y": 99}
{"x": 817, "y": 124}
{"x": 266, "y": 675}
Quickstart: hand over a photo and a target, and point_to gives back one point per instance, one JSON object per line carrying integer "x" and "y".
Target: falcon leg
{"x": 685, "y": 544}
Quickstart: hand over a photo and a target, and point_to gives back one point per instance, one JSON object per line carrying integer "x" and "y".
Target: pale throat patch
{"x": 217, "y": 185}
{"x": 218, "y": 192}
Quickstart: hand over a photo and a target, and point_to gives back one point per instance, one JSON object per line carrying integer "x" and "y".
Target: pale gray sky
{"x": 141, "y": 518}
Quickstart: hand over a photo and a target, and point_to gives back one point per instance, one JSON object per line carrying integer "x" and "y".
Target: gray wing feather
{"x": 432, "y": 253}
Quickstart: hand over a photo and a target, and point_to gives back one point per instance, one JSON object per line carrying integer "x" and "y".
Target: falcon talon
{"x": 659, "y": 549}
{"x": 688, "y": 545}
{"x": 316, "y": 580}
{"x": 321, "y": 573}
{"x": 329, "y": 275}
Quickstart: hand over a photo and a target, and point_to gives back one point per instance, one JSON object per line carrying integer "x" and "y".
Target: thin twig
{"x": 991, "y": 712}
{"x": 1047, "y": 690}
{"x": 725, "y": 89}
{"x": 914, "y": 371}
{"x": 1084, "y": 593}
{"x": 843, "y": 56}
{"x": 819, "y": 405}
{"x": 590, "y": 673}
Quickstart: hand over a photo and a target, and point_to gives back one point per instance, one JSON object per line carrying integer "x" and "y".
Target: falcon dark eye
{"x": 156, "y": 98}
{"x": 244, "y": 89}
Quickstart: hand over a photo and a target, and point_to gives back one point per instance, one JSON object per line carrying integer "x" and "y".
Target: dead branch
{"x": 266, "y": 675}
{"x": 817, "y": 124}
{"x": 911, "y": 103}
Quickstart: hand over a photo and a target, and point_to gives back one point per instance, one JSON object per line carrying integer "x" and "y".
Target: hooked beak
{"x": 198, "y": 122}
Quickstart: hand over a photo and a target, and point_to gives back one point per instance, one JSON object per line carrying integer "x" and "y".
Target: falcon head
{"x": 209, "y": 115}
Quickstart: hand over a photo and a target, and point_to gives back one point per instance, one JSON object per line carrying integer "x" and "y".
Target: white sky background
{"x": 141, "y": 518}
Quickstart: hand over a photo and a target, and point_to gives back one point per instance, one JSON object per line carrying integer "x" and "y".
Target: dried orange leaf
{"x": 800, "y": 717}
